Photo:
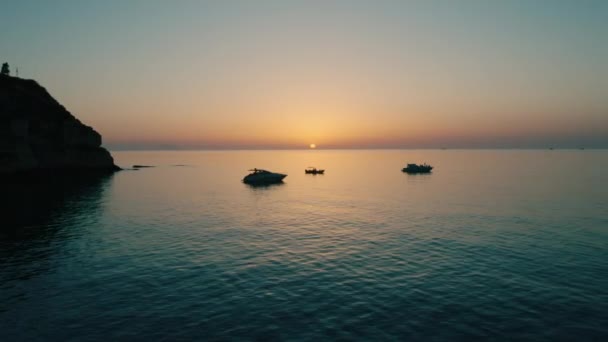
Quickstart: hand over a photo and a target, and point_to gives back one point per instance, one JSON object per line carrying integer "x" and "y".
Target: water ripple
{"x": 164, "y": 254}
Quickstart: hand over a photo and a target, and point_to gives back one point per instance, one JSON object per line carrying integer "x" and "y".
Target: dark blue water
{"x": 494, "y": 245}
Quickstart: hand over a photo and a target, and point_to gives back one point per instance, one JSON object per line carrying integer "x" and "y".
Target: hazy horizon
{"x": 153, "y": 148}
{"x": 341, "y": 74}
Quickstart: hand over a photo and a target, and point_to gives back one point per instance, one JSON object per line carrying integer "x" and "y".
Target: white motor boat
{"x": 259, "y": 176}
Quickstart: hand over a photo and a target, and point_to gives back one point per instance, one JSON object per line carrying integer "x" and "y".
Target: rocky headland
{"x": 39, "y": 136}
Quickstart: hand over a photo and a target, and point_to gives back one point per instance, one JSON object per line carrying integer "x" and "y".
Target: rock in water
{"x": 37, "y": 134}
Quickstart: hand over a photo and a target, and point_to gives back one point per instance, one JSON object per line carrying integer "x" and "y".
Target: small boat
{"x": 259, "y": 176}
{"x": 314, "y": 171}
{"x": 415, "y": 168}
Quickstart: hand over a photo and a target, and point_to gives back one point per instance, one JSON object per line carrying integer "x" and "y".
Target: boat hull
{"x": 264, "y": 179}
{"x": 417, "y": 170}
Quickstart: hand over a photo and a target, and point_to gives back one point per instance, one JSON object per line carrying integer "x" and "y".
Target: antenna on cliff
{"x": 17, "y": 70}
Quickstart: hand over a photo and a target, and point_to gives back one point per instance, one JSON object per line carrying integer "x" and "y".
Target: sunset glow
{"x": 418, "y": 74}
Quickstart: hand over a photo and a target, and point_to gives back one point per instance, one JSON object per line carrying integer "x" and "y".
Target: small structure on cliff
{"x": 37, "y": 134}
{"x": 5, "y": 71}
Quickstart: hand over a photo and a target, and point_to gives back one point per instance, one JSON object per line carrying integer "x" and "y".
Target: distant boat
{"x": 415, "y": 168}
{"x": 314, "y": 171}
{"x": 259, "y": 176}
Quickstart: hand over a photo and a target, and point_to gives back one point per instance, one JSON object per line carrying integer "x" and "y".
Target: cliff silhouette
{"x": 38, "y": 135}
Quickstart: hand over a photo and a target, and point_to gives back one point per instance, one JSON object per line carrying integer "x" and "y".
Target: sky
{"x": 228, "y": 74}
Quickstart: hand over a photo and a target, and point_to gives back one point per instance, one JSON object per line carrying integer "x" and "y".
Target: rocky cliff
{"x": 39, "y": 134}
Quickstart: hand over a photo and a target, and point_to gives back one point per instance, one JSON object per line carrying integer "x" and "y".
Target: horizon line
{"x": 352, "y": 149}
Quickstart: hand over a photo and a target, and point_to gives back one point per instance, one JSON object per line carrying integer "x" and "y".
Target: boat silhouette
{"x": 415, "y": 168}
{"x": 260, "y": 176}
{"x": 314, "y": 171}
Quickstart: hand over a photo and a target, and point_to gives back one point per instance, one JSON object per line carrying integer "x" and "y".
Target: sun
{"x": 312, "y": 146}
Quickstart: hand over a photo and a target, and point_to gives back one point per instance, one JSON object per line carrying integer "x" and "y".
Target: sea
{"x": 492, "y": 245}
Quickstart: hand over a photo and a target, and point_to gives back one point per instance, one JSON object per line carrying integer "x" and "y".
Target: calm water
{"x": 493, "y": 244}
